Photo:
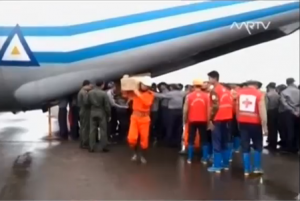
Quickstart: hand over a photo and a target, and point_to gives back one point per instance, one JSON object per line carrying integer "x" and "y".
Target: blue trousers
{"x": 251, "y": 132}
{"x": 220, "y": 136}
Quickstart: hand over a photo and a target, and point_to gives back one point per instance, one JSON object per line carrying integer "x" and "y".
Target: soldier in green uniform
{"x": 100, "y": 115}
{"x": 84, "y": 114}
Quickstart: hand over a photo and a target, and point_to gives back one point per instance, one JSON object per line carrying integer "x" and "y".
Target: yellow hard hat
{"x": 197, "y": 82}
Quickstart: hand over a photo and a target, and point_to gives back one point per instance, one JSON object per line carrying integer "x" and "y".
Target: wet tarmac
{"x": 33, "y": 169}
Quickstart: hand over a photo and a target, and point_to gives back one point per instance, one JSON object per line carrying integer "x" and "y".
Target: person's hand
{"x": 211, "y": 126}
{"x": 137, "y": 92}
{"x": 296, "y": 113}
{"x": 265, "y": 130}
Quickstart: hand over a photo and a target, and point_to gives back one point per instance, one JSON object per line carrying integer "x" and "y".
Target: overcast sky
{"x": 272, "y": 61}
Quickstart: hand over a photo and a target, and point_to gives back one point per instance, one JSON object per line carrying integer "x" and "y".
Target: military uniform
{"x": 84, "y": 115}
{"x": 100, "y": 114}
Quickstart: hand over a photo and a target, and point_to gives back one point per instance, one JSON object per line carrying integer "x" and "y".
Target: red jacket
{"x": 225, "y": 111}
{"x": 198, "y": 104}
{"x": 248, "y": 106}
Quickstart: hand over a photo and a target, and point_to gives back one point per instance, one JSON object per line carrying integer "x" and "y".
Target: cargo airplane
{"x": 47, "y": 48}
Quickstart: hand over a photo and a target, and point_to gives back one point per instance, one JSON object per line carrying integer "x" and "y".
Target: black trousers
{"x": 164, "y": 122}
{"x": 62, "y": 122}
{"x": 291, "y": 132}
{"x": 273, "y": 127}
{"x": 112, "y": 125}
{"x": 74, "y": 124}
{"x": 282, "y": 129}
{"x": 154, "y": 126}
{"x": 123, "y": 117}
{"x": 233, "y": 129}
{"x": 175, "y": 128}
{"x": 297, "y": 134}
{"x": 201, "y": 127}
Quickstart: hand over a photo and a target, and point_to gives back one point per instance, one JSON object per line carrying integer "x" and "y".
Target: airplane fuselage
{"x": 46, "y": 53}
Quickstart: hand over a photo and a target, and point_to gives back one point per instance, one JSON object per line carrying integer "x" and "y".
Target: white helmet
{"x": 146, "y": 81}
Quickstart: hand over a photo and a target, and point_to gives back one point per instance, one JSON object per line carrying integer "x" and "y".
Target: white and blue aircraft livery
{"x": 47, "y": 48}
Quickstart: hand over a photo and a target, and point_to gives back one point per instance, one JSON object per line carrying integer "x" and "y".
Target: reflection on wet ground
{"x": 25, "y": 127}
{"x": 34, "y": 170}
{"x": 16, "y": 181}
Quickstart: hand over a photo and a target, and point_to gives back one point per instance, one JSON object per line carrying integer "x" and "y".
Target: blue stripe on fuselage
{"x": 118, "y": 21}
{"x": 68, "y": 57}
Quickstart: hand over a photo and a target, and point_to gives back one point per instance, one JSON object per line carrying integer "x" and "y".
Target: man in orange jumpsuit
{"x": 196, "y": 113}
{"x": 142, "y": 100}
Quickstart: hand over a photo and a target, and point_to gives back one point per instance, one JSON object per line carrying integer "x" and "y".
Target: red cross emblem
{"x": 247, "y": 103}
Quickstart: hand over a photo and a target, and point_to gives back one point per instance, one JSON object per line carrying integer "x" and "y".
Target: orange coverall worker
{"x": 140, "y": 119}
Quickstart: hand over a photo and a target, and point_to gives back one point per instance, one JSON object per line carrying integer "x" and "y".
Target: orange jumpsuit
{"x": 140, "y": 119}
{"x": 186, "y": 136}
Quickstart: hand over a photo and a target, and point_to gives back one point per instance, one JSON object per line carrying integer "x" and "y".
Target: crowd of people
{"x": 213, "y": 117}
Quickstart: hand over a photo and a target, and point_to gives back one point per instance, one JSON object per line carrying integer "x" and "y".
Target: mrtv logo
{"x": 251, "y": 26}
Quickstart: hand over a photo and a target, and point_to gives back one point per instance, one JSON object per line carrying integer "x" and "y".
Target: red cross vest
{"x": 225, "y": 111}
{"x": 198, "y": 104}
{"x": 248, "y": 106}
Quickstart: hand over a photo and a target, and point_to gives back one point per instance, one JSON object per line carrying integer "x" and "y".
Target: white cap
{"x": 146, "y": 81}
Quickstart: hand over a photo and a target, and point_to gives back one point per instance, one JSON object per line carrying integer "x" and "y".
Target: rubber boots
{"x": 236, "y": 144}
{"x": 257, "y": 163}
{"x": 205, "y": 154}
{"x": 230, "y": 151}
{"x": 247, "y": 166}
{"x": 217, "y": 162}
{"x": 190, "y": 153}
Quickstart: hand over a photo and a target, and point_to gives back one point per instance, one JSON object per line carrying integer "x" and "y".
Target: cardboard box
{"x": 129, "y": 83}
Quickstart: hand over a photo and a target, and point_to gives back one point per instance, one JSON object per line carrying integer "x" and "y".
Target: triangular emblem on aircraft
{"x": 15, "y": 51}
